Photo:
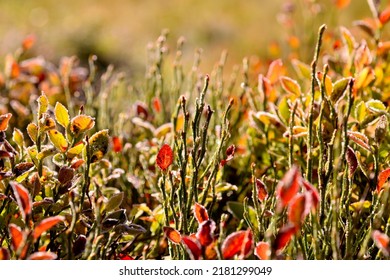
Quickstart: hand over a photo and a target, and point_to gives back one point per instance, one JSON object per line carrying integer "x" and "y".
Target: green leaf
{"x": 339, "y": 88}
{"x": 360, "y": 111}
{"x": 236, "y": 209}
{"x": 284, "y": 109}
{"x": 62, "y": 115}
{"x": 114, "y": 201}
{"x": 375, "y": 106}
{"x": 58, "y": 140}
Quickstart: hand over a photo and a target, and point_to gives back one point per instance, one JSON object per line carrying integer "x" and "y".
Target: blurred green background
{"x": 117, "y": 31}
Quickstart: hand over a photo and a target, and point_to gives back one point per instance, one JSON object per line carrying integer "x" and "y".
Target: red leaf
{"x": 229, "y": 154}
{"x": 4, "y": 254}
{"x": 298, "y": 208}
{"x": 172, "y": 234}
{"x": 315, "y": 197}
{"x": 352, "y": 161}
{"x": 288, "y": 186}
{"x": 262, "y": 250}
{"x": 384, "y": 16}
{"x": 125, "y": 257}
{"x": 165, "y": 157}
{"x": 262, "y": 193}
{"x": 239, "y": 242}
{"x": 382, "y": 178}
{"x": 23, "y": 199}
{"x": 200, "y": 212}
{"x": 382, "y": 242}
{"x": 284, "y": 236}
{"x": 42, "y": 256}
{"x": 117, "y": 144}
{"x": 45, "y": 225}
{"x": 17, "y": 236}
{"x": 193, "y": 247}
{"x": 205, "y": 233}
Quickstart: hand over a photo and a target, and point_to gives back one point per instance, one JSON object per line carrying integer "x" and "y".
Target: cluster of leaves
{"x": 292, "y": 164}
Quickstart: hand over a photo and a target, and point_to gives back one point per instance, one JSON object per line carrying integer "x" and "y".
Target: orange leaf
{"x": 193, "y": 247}
{"x": 384, "y": 16}
{"x": 42, "y": 256}
{"x": 45, "y": 225}
{"x": 288, "y": 186}
{"x": 284, "y": 236}
{"x": 172, "y": 234}
{"x": 4, "y": 119}
{"x": 17, "y": 236}
{"x": 382, "y": 178}
{"x": 290, "y": 85}
{"x": 77, "y": 163}
{"x": 4, "y": 254}
{"x": 156, "y": 104}
{"x": 28, "y": 42}
{"x": 239, "y": 242}
{"x": 164, "y": 157}
{"x": 382, "y": 242}
{"x": 205, "y": 233}
{"x": 262, "y": 250}
{"x": 200, "y": 212}
{"x": 262, "y": 193}
{"x": 23, "y": 199}
{"x": 275, "y": 70}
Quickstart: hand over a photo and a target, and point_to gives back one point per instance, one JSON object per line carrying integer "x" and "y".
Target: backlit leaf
{"x": 382, "y": 179}
{"x": 42, "y": 256}
{"x": 262, "y": 250}
{"x": 117, "y": 145}
{"x": 298, "y": 208}
{"x": 193, "y": 247}
{"x": 172, "y": 234}
{"x": 205, "y": 233}
{"x": 4, "y": 254}
{"x": 360, "y": 139}
{"x": 4, "y": 120}
{"x": 384, "y": 16}
{"x": 81, "y": 124}
{"x": 382, "y": 242}
{"x": 315, "y": 197}
{"x": 98, "y": 145}
{"x": 339, "y": 87}
{"x": 364, "y": 78}
{"x": 237, "y": 243}
{"x": 275, "y": 70}
{"x": 17, "y": 137}
{"x": 75, "y": 150}
{"x": 200, "y": 213}
{"x": 303, "y": 70}
{"x": 341, "y": 4}
{"x": 290, "y": 85}
{"x": 284, "y": 236}
{"x": 58, "y": 140}
{"x": 348, "y": 39}
{"x": 288, "y": 186}
{"x": 164, "y": 157}
{"x": 23, "y": 199}
{"x": 17, "y": 236}
{"x": 32, "y": 131}
{"x": 62, "y": 115}
{"x": 45, "y": 225}
{"x": 362, "y": 57}
{"x": 262, "y": 192}
{"x": 375, "y": 105}
{"x": 43, "y": 105}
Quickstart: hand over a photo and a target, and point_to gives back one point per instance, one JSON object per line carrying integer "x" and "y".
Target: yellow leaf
{"x": 58, "y": 140}
{"x": 43, "y": 104}
{"x": 62, "y": 115}
{"x": 18, "y": 137}
{"x": 75, "y": 151}
{"x": 32, "y": 130}
{"x": 81, "y": 123}
{"x": 98, "y": 145}
{"x": 290, "y": 85}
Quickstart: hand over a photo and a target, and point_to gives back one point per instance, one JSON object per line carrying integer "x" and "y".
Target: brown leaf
{"x": 239, "y": 242}
{"x": 172, "y": 234}
{"x": 200, "y": 213}
{"x": 164, "y": 157}
{"x": 45, "y": 225}
{"x": 23, "y": 199}
{"x": 262, "y": 192}
{"x": 352, "y": 161}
